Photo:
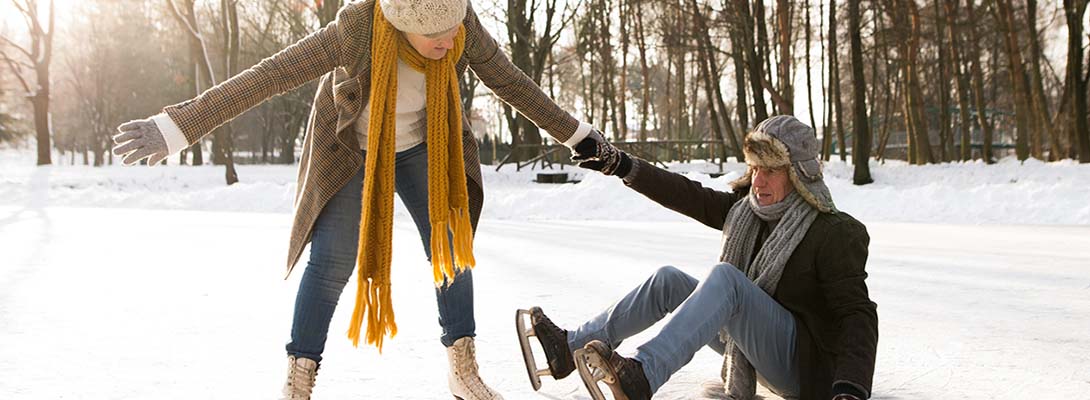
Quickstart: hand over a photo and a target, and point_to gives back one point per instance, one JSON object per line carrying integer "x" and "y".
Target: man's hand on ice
{"x": 140, "y": 139}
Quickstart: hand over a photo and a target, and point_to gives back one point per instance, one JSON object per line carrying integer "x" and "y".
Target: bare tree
{"x": 809, "y": 76}
{"x": 709, "y": 68}
{"x": 187, "y": 18}
{"x": 834, "y": 88}
{"x": 754, "y": 68}
{"x": 978, "y": 82}
{"x": 956, "y": 41}
{"x": 737, "y": 31}
{"x": 37, "y": 59}
{"x": 529, "y": 51}
{"x": 1039, "y": 102}
{"x": 861, "y": 137}
{"x": 645, "y": 70}
{"x": 1004, "y": 15}
{"x": 327, "y": 10}
{"x": 223, "y": 143}
{"x": 1073, "y": 13}
{"x": 944, "y": 85}
{"x": 784, "y": 22}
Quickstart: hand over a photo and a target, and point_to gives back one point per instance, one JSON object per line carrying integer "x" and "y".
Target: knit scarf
{"x": 448, "y": 202}
{"x": 740, "y": 237}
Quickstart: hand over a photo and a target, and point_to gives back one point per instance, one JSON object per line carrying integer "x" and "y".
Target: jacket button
{"x": 350, "y": 96}
{"x": 333, "y": 147}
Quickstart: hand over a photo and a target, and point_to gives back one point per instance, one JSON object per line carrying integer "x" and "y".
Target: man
{"x": 787, "y": 305}
{"x": 387, "y": 114}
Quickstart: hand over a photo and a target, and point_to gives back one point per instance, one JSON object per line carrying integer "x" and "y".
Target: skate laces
{"x": 300, "y": 379}
{"x": 467, "y": 371}
{"x": 554, "y": 341}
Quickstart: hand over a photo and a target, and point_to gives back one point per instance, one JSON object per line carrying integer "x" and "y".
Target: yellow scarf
{"x": 448, "y": 202}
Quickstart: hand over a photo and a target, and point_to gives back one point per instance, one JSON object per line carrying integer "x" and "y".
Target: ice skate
{"x": 301, "y": 375}
{"x": 624, "y": 376}
{"x": 553, "y": 341}
{"x": 464, "y": 381}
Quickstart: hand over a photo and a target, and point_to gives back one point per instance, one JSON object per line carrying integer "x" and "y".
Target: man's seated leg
{"x": 638, "y": 310}
{"x": 766, "y": 333}
{"x": 763, "y": 329}
{"x": 642, "y": 307}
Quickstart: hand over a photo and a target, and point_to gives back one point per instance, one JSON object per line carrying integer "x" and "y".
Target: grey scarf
{"x": 739, "y": 238}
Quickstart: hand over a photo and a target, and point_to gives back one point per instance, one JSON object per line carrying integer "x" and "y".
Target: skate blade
{"x": 522, "y": 318}
{"x": 588, "y": 364}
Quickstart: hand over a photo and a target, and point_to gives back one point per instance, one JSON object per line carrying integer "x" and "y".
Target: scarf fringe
{"x": 450, "y": 258}
{"x": 374, "y": 301}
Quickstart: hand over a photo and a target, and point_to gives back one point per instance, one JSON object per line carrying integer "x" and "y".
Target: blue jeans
{"x": 333, "y": 251}
{"x": 763, "y": 329}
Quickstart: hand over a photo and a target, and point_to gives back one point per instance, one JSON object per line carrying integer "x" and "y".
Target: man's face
{"x": 433, "y": 46}
{"x": 770, "y": 185}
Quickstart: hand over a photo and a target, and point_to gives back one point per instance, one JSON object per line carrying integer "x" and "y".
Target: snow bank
{"x": 1009, "y": 192}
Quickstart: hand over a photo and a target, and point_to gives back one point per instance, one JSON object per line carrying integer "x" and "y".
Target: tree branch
{"x": 18, "y": 47}
{"x": 183, "y": 20}
{"x": 776, "y": 96}
{"x": 15, "y": 71}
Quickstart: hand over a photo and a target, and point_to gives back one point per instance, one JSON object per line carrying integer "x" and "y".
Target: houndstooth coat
{"x": 340, "y": 54}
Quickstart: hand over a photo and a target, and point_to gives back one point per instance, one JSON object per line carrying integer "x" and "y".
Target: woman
{"x": 386, "y": 115}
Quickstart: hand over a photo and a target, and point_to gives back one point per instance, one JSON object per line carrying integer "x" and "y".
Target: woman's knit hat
{"x": 424, "y": 17}
{"x": 783, "y": 140}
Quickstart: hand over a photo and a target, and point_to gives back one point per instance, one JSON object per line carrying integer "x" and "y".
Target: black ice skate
{"x": 624, "y": 376}
{"x": 553, "y": 341}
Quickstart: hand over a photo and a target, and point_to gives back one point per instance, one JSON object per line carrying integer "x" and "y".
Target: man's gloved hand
{"x": 594, "y": 152}
{"x": 140, "y": 139}
{"x": 848, "y": 391}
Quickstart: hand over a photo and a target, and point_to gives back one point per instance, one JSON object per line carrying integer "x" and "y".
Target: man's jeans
{"x": 333, "y": 250}
{"x": 763, "y": 329}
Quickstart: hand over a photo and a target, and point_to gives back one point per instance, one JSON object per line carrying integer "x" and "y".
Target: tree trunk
{"x": 763, "y": 55}
{"x": 1004, "y": 16}
{"x": 529, "y": 52}
{"x": 737, "y": 30}
{"x": 645, "y": 75}
{"x": 944, "y": 85}
{"x": 1039, "y": 102}
{"x": 709, "y": 67}
{"x": 920, "y": 144}
{"x": 38, "y": 58}
{"x": 978, "y": 84}
{"x": 229, "y": 17}
{"x": 622, "y": 104}
{"x": 1074, "y": 11}
{"x": 327, "y": 11}
{"x": 827, "y": 99}
{"x": 753, "y": 61}
{"x": 964, "y": 121}
{"x": 605, "y": 50}
{"x": 809, "y": 75}
{"x": 861, "y": 136}
{"x": 834, "y": 82}
{"x": 784, "y": 22}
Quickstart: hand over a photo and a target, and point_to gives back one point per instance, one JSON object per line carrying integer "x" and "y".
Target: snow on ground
{"x": 161, "y": 283}
{"x": 1009, "y": 192}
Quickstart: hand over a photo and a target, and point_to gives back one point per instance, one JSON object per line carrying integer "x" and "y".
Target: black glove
{"x": 847, "y": 391}
{"x": 594, "y": 152}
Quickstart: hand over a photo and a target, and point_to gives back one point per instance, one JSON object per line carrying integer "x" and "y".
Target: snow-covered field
{"x": 161, "y": 283}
